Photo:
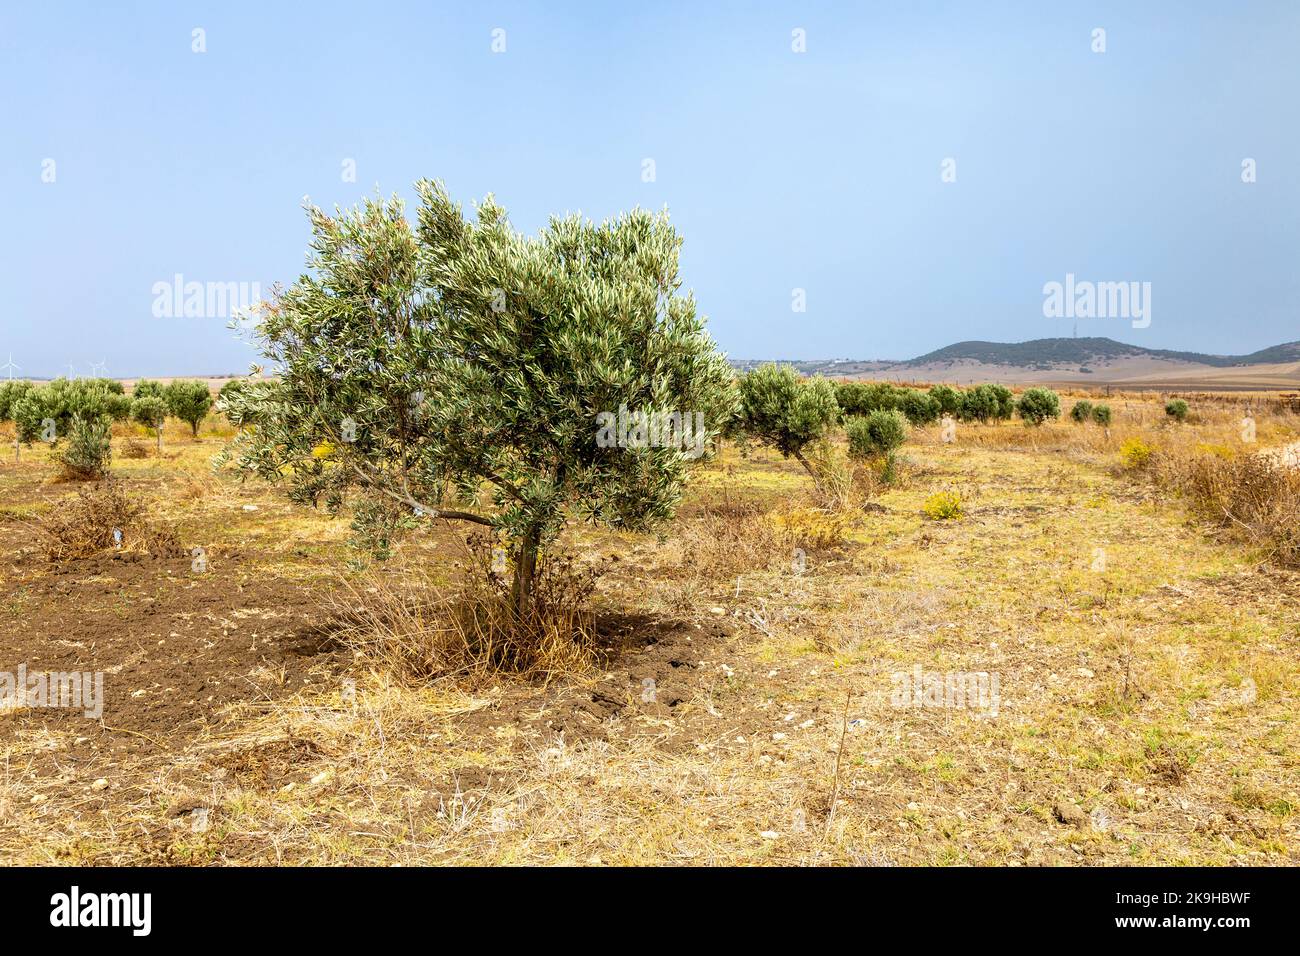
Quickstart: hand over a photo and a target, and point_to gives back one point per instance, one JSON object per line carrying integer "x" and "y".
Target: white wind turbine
{"x": 101, "y": 366}
{"x": 10, "y": 367}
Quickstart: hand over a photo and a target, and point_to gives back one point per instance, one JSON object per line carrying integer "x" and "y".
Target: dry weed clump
{"x": 843, "y": 484}
{"x": 1255, "y": 495}
{"x": 131, "y": 448}
{"x": 105, "y": 517}
{"x": 422, "y": 631}
{"x": 727, "y": 539}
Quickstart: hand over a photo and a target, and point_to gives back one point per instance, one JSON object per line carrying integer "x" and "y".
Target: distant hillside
{"x": 1089, "y": 360}
{"x": 1056, "y": 353}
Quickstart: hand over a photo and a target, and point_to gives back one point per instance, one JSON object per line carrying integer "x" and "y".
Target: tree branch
{"x": 406, "y": 499}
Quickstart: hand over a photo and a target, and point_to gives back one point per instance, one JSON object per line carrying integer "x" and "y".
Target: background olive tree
{"x": 781, "y": 409}
{"x": 151, "y": 412}
{"x": 189, "y": 400}
{"x": 1037, "y": 405}
{"x": 455, "y": 370}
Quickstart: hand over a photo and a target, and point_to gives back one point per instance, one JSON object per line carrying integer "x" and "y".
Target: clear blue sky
{"x": 818, "y": 170}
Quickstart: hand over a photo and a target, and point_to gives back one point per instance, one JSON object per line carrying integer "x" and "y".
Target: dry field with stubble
{"x": 1146, "y": 657}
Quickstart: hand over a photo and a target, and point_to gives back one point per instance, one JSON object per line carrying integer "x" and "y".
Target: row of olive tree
{"x": 789, "y": 412}
{"x": 55, "y": 410}
{"x": 982, "y": 403}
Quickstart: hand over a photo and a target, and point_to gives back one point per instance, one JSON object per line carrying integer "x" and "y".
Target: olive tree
{"x": 781, "y": 409}
{"x": 151, "y": 412}
{"x": 1037, "y": 405}
{"x": 11, "y": 393}
{"x": 147, "y": 388}
{"x": 879, "y": 433}
{"x": 188, "y": 400}
{"x": 460, "y": 370}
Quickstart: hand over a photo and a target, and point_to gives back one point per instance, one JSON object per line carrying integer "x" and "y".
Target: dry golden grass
{"x": 1252, "y": 495}
{"x": 1148, "y": 676}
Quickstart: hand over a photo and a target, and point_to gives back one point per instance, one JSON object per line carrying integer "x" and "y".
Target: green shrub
{"x": 10, "y": 393}
{"x": 919, "y": 407}
{"x": 1101, "y": 414}
{"x": 861, "y": 398}
{"x": 1082, "y": 411}
{"x": 878, "y": 433}
{"x": 29, "y": 412}
{"x": 781, "y": 409}
{"x": 63, "y": 399}
{"x": 949, "y": 399}
{"x": 851, "y": 398}
{"x": 1036, "y": 405}
{"x": 1176, "y": 409}
{"x": 189, "y": 401}
{"x": 229, "y": 389}
{"x": 147, "y": 388}
{"x": 1006, "y": 401}
{"x": 89, "y": 448}
{"x": 986, "y": 403}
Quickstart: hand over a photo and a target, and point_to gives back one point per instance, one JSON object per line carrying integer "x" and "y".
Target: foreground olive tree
{"x": 457, "y": 369}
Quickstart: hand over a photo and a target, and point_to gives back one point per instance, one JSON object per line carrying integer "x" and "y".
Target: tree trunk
{"x": 807, "y": 467}
{"x": 525, "y": 566}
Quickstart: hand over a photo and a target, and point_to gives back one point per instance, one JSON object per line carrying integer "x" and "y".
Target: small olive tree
{"x": 460, "y": 361}
{"x": 920, "y": 408}
{"x": 89, "y": 449}
{"x": 189, "y": 401}
{"x": 781, "y": 409}
{"x": 151, "y": 412}
{"x": 949, "y": 399}
{"x": 11, "y": 393}
{"x": 147, "y": 388}
{"x": 880, "y": 433}
{"x": 1037, "y": 405}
